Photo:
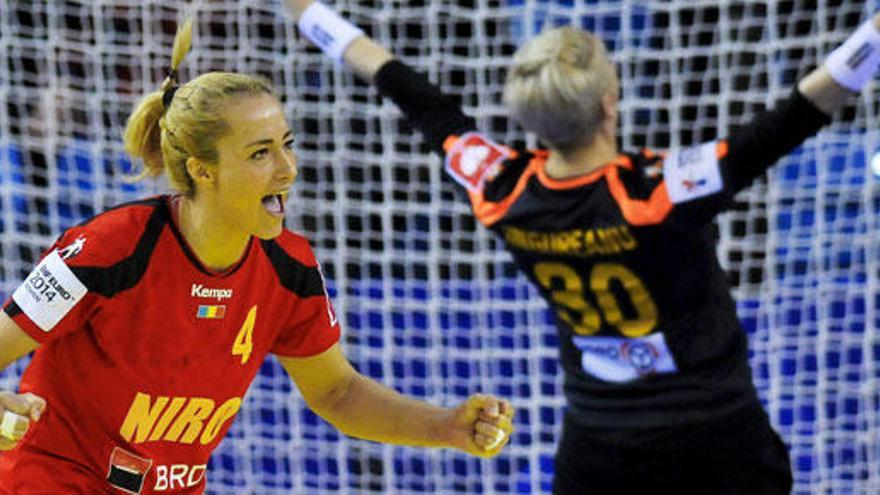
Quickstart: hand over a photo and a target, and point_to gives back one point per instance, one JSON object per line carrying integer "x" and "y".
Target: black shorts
{"x": 739, "y": 454}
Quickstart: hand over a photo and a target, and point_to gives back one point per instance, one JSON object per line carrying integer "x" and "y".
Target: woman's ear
{"x": 609, "y": 110}
{"x": 199, "y": 171}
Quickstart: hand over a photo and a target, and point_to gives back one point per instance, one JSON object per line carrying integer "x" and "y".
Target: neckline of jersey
{"x": 172, "y": 206}
{"x": 622, "y": 160}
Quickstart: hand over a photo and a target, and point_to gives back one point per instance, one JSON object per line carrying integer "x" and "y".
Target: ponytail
{"x": 143, "y": 131}
{"x": 179, "y": 122}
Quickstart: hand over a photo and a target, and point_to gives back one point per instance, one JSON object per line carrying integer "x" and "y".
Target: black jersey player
{"x": 620, "y": 245}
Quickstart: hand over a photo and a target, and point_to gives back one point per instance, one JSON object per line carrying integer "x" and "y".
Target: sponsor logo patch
{"x": 620, "y": 360}
{"x": 199, "y": 290}
{"x": 692, "y": 173}
{"x": 127, "y": 471}
{"x": 473, "y": 159}
{"x": 50, "y": 291}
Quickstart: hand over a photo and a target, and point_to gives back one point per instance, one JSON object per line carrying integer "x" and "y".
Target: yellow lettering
{"x": 606, "y": 239}
{"x": 577, "y": 242}
{"x": 244, "y": 341}
{"x": 646, "y": 311}
{"x": 190, "y": 419}
{"x": 147, "y": 421}
{"x": 593, "y": 247}
{"x": 223, "y": 413}
{"x": 513, "y": 237}
{"x": 141, "y": 417}
{"x": 627, "y": 240}
{"x": 536, "y": 241}
{"x": 571, "y": 306}
{"x": 166, "y": 418}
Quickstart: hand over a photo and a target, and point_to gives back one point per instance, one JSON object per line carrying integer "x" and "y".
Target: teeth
{"x": 273, "y": 204}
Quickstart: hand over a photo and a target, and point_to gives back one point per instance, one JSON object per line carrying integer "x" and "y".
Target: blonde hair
{"x": 555, "y": 86}
{"x": 195, "y": 117}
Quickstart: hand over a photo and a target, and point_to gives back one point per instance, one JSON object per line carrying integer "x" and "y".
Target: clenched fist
{"x": 16, "y": 413}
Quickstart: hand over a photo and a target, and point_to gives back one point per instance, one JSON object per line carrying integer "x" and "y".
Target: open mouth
{"x": 274, "y": 204}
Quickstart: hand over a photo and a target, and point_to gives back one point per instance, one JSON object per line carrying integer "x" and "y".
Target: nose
{"x": 286, "y": 166}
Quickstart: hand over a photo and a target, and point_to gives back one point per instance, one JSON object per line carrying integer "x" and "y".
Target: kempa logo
{"x": 198, "y": 290}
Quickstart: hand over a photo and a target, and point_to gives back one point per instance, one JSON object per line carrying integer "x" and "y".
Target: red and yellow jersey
{"x": 623, "y": 255}
{"x": 145, "y": 355}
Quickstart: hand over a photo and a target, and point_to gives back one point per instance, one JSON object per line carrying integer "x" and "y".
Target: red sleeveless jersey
{"x": 145, "y": 355}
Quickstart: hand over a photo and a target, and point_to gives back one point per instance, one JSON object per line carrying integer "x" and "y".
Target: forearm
{"x": 14, "y": 342}
{"x": 770, "y": 135}
{"x": 428, "y": 109}
{"x": 365, "y": 409}
{"x": 823, "y": 92}
{"x": 363, "y": 56}
{"x": 821, "y": 88}
{"x": 435, "y": 114}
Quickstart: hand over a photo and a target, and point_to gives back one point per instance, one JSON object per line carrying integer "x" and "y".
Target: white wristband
{"x": 328, "y": 30}
{"x": 855, "y": 62}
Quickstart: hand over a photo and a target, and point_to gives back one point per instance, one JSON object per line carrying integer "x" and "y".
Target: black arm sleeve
{"x": 771, "y": 135}
{"x": 433, "y": 113}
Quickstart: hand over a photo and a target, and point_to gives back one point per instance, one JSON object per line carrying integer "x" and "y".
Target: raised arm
{"x": 362, "y": 408}
{"x": 361, "y": 54}
{"x": 770, "y": 135}
{"x": 436, "y": 115}
{"x": 831, "y": 85}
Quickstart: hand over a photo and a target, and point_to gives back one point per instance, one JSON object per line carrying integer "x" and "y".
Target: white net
{"x": 429, "y": 302}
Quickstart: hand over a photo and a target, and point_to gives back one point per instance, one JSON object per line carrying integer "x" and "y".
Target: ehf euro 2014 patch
{"x": 127, "y": 471}
{"x": 50, "y": 291}
{"x": 692, "y": 173}
{"x": 473, "y": 159}
{"x": 621, "y": 359}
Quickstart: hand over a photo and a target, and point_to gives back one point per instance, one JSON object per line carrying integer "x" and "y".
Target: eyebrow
{"x": 269, "y": 141}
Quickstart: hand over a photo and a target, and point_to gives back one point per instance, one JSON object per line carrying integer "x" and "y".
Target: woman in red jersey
{"x": 620, "y": 245}
{"x": 151, "y": 320}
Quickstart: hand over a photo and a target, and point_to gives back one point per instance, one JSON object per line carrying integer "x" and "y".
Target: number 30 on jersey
{"x": 567, "y": 291}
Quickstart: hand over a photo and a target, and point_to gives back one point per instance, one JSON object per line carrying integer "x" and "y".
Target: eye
{"x": 289, "y": 144}
{"x": 260, "y": 154}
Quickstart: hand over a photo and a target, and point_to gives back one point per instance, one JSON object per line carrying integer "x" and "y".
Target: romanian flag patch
{"x": 211, "y": 311}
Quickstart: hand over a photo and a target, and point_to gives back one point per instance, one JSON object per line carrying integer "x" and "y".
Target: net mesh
{"x": 430, "y": 303}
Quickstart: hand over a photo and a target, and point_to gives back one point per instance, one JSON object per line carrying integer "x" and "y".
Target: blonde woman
{"x": 151, "y": 320}
{"x": 659, "y": 391}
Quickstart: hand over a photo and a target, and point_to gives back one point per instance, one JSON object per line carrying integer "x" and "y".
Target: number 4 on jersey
{"x": 244, "y": 341}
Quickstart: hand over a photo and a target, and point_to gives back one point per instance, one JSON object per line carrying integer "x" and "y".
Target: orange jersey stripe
{"x": 721, "y": 149}
{"x": 569, "y": 182}
{"x": 488, "y": 212}
{"x": 638, "y": 212}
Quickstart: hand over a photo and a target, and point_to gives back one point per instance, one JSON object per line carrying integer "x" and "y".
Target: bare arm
{"x": 822, "y": 91}
{"x": 15, "y": 343}
{"x": 362, "y": 408}
{"x": 363, "y": 56}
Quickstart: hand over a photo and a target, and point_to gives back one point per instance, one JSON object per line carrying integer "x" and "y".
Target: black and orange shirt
{"x": 625, "y": 255}
{"x": 145, "y": 355}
